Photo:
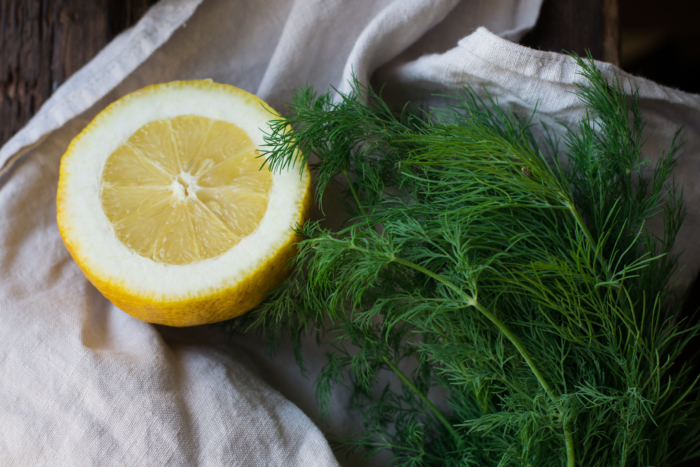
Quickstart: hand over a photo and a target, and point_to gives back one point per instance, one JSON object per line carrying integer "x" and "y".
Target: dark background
{"x": 43, "y": 42}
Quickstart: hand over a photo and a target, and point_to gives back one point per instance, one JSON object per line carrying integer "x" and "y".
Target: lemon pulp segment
{"x": 185, "y": 189}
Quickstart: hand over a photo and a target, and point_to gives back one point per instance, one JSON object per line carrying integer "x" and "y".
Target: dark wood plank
{"x": 611, "y": 31}
{"x": 124, "y": 14}
{"x": 577, "y": 26}
{"x": 43, "y": 42}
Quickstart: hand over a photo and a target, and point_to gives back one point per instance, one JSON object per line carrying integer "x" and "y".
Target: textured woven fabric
{"x": 83, "y": 383}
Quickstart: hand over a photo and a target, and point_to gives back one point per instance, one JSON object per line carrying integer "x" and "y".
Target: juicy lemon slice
{"x": 185, "y": 189}
{"x": 167, "y": 209}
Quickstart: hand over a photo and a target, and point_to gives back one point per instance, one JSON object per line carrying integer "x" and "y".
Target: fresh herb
{"x": 520, "y": 277}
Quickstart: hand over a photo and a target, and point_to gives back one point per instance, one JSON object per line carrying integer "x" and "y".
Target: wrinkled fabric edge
{"x": 559, "y": 68}
{"x": 531, "y": 13}
{"x": 373, "y": 39}
{"x": 102, "y": 74}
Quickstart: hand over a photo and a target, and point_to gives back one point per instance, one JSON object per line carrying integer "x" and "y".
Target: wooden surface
{"x": 43, "y": 42}
{"x": 578, "y": 26}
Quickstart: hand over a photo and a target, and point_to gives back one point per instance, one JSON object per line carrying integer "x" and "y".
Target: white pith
{"x": 88, "y": 229}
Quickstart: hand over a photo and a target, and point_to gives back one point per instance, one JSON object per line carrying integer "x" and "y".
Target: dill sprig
{"x": 520, "y": 277}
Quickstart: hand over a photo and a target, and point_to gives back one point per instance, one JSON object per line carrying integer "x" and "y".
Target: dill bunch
{"x": 520, "y": 277}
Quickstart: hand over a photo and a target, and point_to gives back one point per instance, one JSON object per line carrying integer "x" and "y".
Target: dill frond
{"x": 522, "y": 279}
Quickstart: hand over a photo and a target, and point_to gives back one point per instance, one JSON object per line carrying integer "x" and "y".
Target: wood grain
{"x": 43, "y": 42}
{"x": 611, "y": 31}
{"x": 577, "y": 26}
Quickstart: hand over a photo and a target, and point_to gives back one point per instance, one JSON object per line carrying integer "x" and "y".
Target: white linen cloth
{"x": 83, "y": 383}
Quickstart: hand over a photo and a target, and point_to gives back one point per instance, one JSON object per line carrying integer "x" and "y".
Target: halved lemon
{"x": 167, "y": 209}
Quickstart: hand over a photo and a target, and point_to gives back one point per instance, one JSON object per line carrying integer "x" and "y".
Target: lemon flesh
{"x": 185, "y": 189}
{"x": 168, "y": 210}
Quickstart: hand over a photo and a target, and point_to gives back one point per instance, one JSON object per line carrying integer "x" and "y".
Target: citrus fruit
{"x": 167, "y": 209}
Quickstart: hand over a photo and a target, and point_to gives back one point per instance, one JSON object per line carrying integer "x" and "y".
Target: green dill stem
{"x": 568, "y": 436}
{"x": 354, "y": 193}
{"x": 499, "y": 324}
{"x": 422, "y": 396}
{"x": 589, "y": 236}
{"x": 404, "y": 448}
{"x": 680, "y": 398}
